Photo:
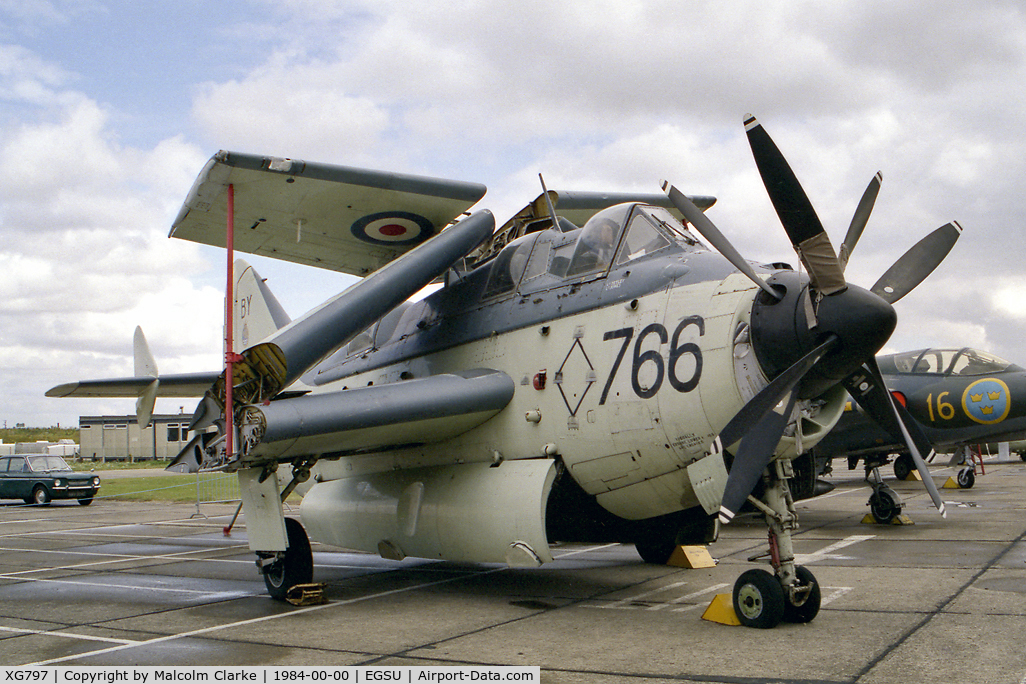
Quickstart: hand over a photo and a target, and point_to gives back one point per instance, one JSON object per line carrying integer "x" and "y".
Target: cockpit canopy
{"x": 611, "y": 238}
{"x": 965, "y": 361}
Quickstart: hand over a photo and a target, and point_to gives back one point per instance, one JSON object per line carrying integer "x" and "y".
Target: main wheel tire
{"x": 903, "y": 466}
{"x": 655, "y": 552}
{"x": 759, "y": 599}
{"x": 656, "y": 544}
{"x": 808, "y": 610}
{"x": 884, "y": 506}
{"x": 296, "y": 567}
{"x": 41, "y": 496}
{"x": 86, "y": 501}
{"x": 966, "y": 478}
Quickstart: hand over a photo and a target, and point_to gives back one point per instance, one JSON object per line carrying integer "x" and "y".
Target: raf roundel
{"x": 393, "y": 228}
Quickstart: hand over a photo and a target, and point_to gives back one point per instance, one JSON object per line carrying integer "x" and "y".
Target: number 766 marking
{"x": 668, "y": 369}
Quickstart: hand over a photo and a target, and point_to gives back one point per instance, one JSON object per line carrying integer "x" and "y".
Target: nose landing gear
{"x": 791, "y": 593}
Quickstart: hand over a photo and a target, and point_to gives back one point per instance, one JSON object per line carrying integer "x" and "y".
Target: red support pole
{"x": 229, "y": 315}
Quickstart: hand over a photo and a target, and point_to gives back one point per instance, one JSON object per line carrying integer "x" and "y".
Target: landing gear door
{"x": 261, "y": 503}
{"x": 708, "y": 479}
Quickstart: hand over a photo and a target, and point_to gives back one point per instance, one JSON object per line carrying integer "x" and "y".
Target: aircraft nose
{"x": 783, "y": 331}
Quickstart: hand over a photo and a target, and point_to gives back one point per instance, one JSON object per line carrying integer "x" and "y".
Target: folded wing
{"x": 334, "y": 217}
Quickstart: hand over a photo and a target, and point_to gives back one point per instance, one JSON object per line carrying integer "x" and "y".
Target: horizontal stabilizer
{"x": 178, "y": 385}
{"x": 339, "y": 218}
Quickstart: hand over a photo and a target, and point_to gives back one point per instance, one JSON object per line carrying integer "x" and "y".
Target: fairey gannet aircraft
{"x": 589, "y": 372}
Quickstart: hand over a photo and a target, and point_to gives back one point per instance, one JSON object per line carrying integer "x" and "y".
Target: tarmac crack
{"x": 900, "y": 641}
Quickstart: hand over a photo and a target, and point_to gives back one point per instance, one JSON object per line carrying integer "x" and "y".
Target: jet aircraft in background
{"x": 589, "y": 372}
{"x": 958, "y": 397}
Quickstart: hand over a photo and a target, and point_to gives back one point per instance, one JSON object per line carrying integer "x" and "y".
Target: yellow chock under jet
{"x": 691, "y": 557}
{"x": 721, "y": 611}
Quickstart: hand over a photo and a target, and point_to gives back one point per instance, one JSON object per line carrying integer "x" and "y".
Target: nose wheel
{"x": 966, "y": 457}
{"x": 758, "y": 599}
{"x": 885, "y": 504}
{"x": 790, "y": 593}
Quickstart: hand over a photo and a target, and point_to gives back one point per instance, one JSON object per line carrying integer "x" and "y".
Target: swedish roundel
{"x": 393, "y": 228}
{"x": 987, "y": 401}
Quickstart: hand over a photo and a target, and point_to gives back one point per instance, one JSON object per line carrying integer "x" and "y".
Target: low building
{"x": 120, "y": 438}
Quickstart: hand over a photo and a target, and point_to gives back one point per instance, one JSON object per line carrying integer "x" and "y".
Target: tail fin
{"x": 258, "y": 314}
{"x": 145, "y": 366}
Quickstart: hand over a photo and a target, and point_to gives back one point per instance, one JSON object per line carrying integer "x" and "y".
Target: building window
{"x": 173, "y": 433}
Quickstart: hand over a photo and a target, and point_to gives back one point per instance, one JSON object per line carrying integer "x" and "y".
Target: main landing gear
{"x": 884, "y": 503}
{"x": 283, "y": 570}
{"x": 965, "y": 457}
{"x": 791, "y": 593}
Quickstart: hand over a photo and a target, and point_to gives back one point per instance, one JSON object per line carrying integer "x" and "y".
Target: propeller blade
{"x": 697, "y": 218}
{"x": 759, "y": 425}
{"x": 868, "y": 389}
{"x": 792, "y": 205}
{"x": 860, "y": 219}
{"x": 917, "y": 263}
{"x": 753, "y": 456}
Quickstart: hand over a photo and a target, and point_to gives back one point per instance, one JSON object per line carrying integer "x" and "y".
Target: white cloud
{"x": 1009, "y": 297}
{"x": 299, "y": 110}
{"x": 86, "y": 256}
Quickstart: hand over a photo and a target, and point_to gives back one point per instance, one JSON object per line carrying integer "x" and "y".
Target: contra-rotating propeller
{"x": 810, "y": 335}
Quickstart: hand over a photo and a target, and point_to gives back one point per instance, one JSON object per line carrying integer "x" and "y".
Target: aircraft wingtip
{"x": 64, "y": 390}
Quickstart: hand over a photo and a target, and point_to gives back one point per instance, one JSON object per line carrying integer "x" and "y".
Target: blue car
{"x": 39, "y": 478}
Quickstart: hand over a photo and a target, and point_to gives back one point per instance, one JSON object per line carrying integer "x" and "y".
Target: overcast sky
{"x": 109, "y": 109}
